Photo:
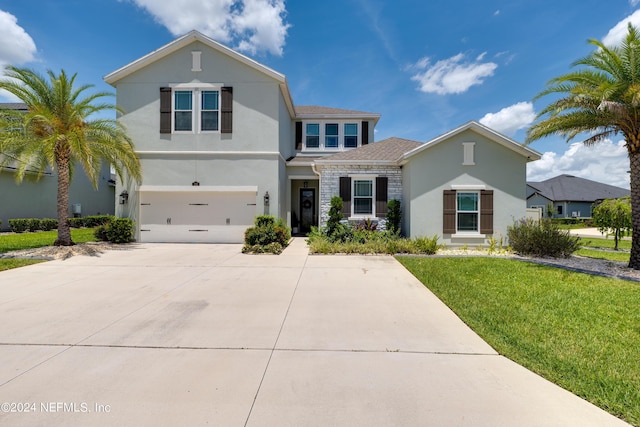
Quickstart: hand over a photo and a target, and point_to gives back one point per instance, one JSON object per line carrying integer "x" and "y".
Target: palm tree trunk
{"x": 634, "y": 161}
{"x": 64, "y": 232}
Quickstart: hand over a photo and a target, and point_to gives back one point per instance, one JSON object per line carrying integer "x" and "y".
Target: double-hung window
{"x": 350, "y": 135}
{"x": 313, "y": 135}
{"x": 183, "y": 110}
{"x": 467, "y": 212}
{"x": 362, "y": 197}
{"x": 331, "y": 135}
{"x": 209, "y": 110}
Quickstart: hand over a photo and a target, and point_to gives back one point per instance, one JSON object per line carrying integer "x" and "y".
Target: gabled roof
{"x": 191, "y": 37}
{"x": 317, "y": 112}
{"x": 387, "y": 151}
{"x": 569, "y": 188}
{"x": 491, "y": 134}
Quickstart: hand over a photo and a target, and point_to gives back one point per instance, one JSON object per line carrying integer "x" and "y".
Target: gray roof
{"x": 314, "y": 110}
{"x": 387, "y": 150}
{"x": 13, "y": 106}
{"x": 569, "y": 188}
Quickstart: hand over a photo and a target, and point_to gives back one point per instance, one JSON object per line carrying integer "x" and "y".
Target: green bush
{"x": 268, "y": 235}
{"x": 75, "y": 222}
{"x": 541, "y": 238}
{"x": 92, "y": 221}
{"x": 427, "y": 245}
{"x": 33, "y": 224}
{"x": 120, "y": 230}
{"x": 100, "y": 233}
{"x": 48, "y": 224}
{"x": 394, "y": 215}
{"x": 19, "y": 225}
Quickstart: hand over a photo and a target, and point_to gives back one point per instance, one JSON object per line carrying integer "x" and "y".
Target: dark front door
{"x": 307, "y": 209}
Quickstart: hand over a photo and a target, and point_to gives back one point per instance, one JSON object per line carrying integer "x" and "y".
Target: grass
{"x": 19, "y": 241}
{"x": 578, "y": 331}
{"x": 605, "y": 243}
{"x": 608, "y": 255}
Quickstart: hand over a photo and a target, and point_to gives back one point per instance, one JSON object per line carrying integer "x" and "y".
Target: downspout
{"x": 313, "y": 168}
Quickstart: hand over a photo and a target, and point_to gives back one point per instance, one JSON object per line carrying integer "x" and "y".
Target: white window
{"x": 363, "y": 191}
{"x": 331, "y": 136}
{"x": 467, "y": 212}
{"x": 313, "y": 135}
{"x": 196, "y": 109}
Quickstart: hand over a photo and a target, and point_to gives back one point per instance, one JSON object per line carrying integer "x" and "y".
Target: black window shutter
{"x": 486, "y": 212}
{"x": 365, "y": 133}
{"x": 345, "y": 195}
{"x": 381, "y": 196}
{"x": 298, "y": 135}
{"x": 165, "y": 110}
{"x": 449, "y": 212}
{"x": 226, "y": 110}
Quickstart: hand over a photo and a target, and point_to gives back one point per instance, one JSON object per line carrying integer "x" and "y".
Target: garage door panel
{"x": 196, "y": 216}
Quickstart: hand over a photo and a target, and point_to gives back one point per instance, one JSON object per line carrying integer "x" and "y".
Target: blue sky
{"x": 425, "y": 66}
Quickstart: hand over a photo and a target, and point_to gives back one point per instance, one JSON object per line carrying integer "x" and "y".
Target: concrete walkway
{"x": 171, "y": 334}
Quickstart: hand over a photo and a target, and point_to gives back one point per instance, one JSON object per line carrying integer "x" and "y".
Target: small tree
{"x": 394, "y": 214}
{"x": 551, "y": 209}
{"x": 613, "y": 216}
{"x": 335, "y": 215}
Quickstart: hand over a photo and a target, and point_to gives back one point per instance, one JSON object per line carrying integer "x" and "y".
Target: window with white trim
{"x": 331, "y": 136}
{"x": 363, "y": 191}
{"x": 467, "y": 212}
{"x": 196, "y": 109}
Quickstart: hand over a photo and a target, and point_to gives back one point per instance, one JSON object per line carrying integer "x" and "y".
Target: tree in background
{"x": 613, "y": 216}
{"x": 601, "y": 99}
{"x": 57, "y": 132}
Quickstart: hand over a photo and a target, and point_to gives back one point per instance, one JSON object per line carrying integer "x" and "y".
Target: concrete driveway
{"x": 171, "y": 334}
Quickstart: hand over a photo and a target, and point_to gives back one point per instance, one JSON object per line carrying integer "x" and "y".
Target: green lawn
{"x": 18, "y": 241}
{"x": 605, "y": 243}
{"x": 577, "y": 330}
{"x": 608, "y": 255}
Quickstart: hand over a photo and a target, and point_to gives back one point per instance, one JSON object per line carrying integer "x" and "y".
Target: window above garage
{"x": 185, "y": 108}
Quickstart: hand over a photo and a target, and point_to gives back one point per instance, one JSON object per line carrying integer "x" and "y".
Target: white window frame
{"x": 372, "y": 179}
{"x": 196, "y": 106}
{"x": 477, "y": 212}
{"x": 322, "y": 135}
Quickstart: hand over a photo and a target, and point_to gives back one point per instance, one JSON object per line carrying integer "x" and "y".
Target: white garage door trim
{"x": 211, "y": 214}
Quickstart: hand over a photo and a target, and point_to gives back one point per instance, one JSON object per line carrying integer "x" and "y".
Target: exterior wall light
{"x": 124, "y": 197}
{"x": 266, "y": 198}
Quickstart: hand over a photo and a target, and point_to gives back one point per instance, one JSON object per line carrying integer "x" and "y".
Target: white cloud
{"x": 619, "y": 31}
{"x": 453, "y": 75}
{"x": 510, "y": 119}
{"x": 252, "y": 25}
{"x": 16, "y": 47}
{"x": 605, "y": 162}
{"x": 634, "y": 2}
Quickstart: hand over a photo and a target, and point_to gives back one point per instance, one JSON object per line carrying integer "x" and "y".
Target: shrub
{"x": 76, "y": 222}
{"x": 335, "y": 216}
{"x": 541, "y": 238}
{"x": 120, "y": 230}
{"x": 48, "y": 224}
{"x": 92, "y": 221}
{"x": 394, "y": 215}
{"x": 33, "y": 224}
{"x": 19, "y": 225}
{"x": 100, "y": 233}
{"x": 427, "y": 245}
{"x": 268, "y": 235}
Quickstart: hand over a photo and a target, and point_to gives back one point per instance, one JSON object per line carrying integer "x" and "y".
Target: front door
{"x": 307, "y": 209}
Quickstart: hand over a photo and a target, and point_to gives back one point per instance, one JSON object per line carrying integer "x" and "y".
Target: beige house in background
{"x": 221, "y": 141}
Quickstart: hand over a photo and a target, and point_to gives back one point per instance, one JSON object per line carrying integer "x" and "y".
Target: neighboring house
{"x": 220, "y": 141}
{"x": 37, "y": 198}
{"x": 571, "y": 196}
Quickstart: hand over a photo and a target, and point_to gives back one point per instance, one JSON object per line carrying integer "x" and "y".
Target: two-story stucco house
{"x": 221, "y": 141}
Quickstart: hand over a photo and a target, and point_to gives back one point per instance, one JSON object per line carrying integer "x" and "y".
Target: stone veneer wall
{"x": 330, "y": 185}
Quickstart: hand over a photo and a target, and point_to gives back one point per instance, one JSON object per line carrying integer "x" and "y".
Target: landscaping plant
{"x": 268, "y": 235}
{"x": 613, "y": 215}
{"x": 541, "y": 238}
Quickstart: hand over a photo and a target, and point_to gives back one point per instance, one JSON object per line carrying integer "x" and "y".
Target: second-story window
{"x": 331, "y": 136}
{"x": 313, "y": 135}
{"x": 183, "y": 110}
{"x": 350, "y": 135}
{"x": 209, "y": 111}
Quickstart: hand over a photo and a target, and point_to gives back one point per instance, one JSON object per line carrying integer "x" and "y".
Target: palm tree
{"x": 57, "y": 132}
{"x": 601, "y": 98}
